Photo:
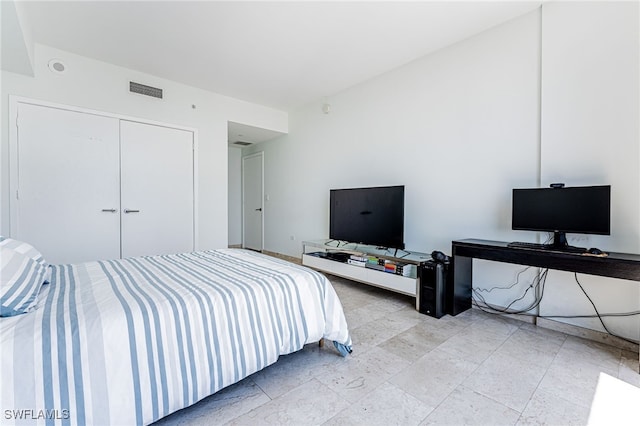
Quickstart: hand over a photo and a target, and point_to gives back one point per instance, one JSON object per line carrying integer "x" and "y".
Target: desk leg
{"x": 460, "y": 294}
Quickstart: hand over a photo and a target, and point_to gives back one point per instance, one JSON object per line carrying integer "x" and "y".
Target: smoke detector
{"x": 56, "y": 66}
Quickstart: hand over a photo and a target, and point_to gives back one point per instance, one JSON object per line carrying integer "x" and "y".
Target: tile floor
{"x": 412, "y": 369}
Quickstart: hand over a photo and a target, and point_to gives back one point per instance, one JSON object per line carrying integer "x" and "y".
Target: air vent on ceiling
{"x": 145, "y": 90}
{"x": 242, "y": 143}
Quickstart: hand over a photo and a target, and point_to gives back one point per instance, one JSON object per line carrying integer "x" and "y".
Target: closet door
{"x": 68, "y": 198}
{"x": 157, "y": 189}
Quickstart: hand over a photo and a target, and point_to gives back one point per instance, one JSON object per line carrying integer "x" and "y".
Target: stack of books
{"x": 357, "y": 260}
{"x": 375, "y": 263}
{"x": 405, "y": 269}
{"x": 372, "y": 262}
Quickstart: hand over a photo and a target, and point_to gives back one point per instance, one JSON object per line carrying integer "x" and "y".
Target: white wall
{"x": 100, "y": 86}
{"x": 460, "y": 128}
{"x": 235, "y": 196}
{"x": 590, "y": 135}
{"x": 17, "y": 46}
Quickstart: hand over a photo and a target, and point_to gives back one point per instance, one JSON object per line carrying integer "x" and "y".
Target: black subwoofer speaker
{"x": 433, "y": 287}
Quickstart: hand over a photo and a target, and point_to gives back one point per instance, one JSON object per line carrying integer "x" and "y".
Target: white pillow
{"x": 21, "y": 279}
{"x": 22, "y": 247}
{"x": 28, "y": 250}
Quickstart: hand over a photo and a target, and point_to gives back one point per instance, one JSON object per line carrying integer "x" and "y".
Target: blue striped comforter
{"x": 130, "y": 341}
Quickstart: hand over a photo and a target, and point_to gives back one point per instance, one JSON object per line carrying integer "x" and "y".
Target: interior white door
{"x": 68, "y": 198}
{"x": 252, "y": 201}
{"x": 157, "y": 189}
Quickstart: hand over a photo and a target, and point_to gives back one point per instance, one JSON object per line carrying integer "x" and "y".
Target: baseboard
{"x": 587, "y": 333}
{"x": 291, "y": 259}
{"x": 573, "y": 330}
{"x": 529, "y": 319}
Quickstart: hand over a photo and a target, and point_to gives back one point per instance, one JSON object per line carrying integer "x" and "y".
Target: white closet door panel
{"x": 68, "y": 174}
{"x": 157, "y": 189}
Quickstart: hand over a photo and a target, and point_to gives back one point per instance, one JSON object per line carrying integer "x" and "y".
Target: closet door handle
{"x": 131, "y": 211}
{"x": 109, "y": 210}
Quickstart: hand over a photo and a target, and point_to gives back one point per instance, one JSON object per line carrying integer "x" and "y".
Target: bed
{"x": 130, "y": 341}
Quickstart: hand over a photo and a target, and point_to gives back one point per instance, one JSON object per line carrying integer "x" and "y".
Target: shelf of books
{"x": 357, "y": 263}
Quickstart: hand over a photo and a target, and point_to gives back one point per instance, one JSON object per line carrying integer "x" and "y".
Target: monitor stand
{"x": 560, "y": 244}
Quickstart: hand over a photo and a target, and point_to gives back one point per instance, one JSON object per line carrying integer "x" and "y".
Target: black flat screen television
{"x": 579, "y": 210}
{"x": 373, "y": 216}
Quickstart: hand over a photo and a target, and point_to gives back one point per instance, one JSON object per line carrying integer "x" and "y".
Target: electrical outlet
{"x": 292, "y": 237}
{"x": 578, "y": 238}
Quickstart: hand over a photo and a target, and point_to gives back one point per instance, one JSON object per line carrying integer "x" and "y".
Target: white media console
{"x": 398, "y": 283}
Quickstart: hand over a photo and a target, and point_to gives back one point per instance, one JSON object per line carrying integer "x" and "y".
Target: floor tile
{"x": 574, "y": 382}
{"x": 507, "y": 380}
{"x": 413, "y": 343}
{"x": 466, "y": 407}
{"x": 361, "y": 374}
{"x": 311, "y": 403}
{"x": 369, "y": 312}
{"x": 497, "y": 325}
{"x": 472, "y": 345}
{"x": 578, "y": 349}
{"x": 531, "y": 347}
{"x": 467, "y": 317}
{"x": 434, "y": 376}
{"x": 290, "y": 371}
{"x": 546, "y": 408}
{"x": 382, "y": 329}
{"x": 440, "y": 328}
{"x": 386, "y": 405}
{"x": 628, "y": 369}
{"x": 220, "y": 407}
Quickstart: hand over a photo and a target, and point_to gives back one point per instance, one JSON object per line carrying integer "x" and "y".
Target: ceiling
{"x": 278, "y": 54}
{"x": 240, "y": 135}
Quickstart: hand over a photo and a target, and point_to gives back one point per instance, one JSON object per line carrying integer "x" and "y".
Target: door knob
{"x": 259, "y": 210}
{"x": 131, "y": 211}
{"x": 109, "y": 210}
